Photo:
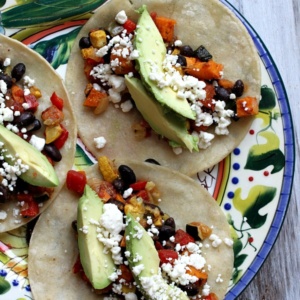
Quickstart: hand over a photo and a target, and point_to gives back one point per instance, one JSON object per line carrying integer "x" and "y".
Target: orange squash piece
{"x": 246, "y": 106}
{"x": 203, "y": 70}
{"x": 166, "y": 28}
{"x": 93, "y": 98}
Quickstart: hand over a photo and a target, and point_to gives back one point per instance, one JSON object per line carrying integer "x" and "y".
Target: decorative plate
{"x": 252, "y": 185}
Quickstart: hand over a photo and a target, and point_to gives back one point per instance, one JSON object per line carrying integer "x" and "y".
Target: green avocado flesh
{"x": 140, "y": 245}
{"x": 97, "y": 264}
{"x": 152, "y": 51}
{"x": 168, "y": 125}
{"x": 40, "y": 172}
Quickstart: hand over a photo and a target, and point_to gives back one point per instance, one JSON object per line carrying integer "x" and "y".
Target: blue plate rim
{"x": 288, "y": 175}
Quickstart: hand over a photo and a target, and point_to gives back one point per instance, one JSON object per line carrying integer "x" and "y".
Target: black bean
{"x": 152, "y": 161}
{"x": 127, "y": 175}
{"x": 18, "y": 71}
{"x": 4, "y": 194}
{"x": 85, "y": 42}
{"x": 119, "y": 185}
{"x": 221, "y": 93}
{"x": 187, "y": 50}
{"x": 181, "y": 60}
{"x": 166, "y": 232}
{"x": 170, "y": 49}
{"x": 191, "y": 289}
{"x": 7, "y": 79}
{"x": 24, "y": 119}
{"x": 202, "y": 53}
{"x": 238, "y": 88}
{"x": 42, "y": 197}
{"x": 74, "y": 225}
{"x": 52, "y": 151}
{"x": 35, "y": 125}
{"x": 170, "y": 222}
{"x": 29, "y": 229}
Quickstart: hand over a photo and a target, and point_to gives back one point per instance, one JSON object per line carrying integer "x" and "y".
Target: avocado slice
{"x": 97, "y": 264}
{"x": 140, "y": 245}
{"x": 40, "y": 172}
{"x": 152, "y": 50}
{"x": 169, "y": 125}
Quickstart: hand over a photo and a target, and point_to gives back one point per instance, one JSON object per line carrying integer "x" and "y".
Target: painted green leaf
{"x": 57, "y": 50}
{"x": 238, "y": 261}
{"x": 4, "y": 286}
{"x": 268, "y": 100}
{"x": 39, "y": 12}
{"x": 263, "y": 155}
{"x": 236, "y": 275}
{"x": 81, "y": 159}
{"x": 237, "y": 244}
{"x": 2, "y": 2}
{"x": 258, "y": 197}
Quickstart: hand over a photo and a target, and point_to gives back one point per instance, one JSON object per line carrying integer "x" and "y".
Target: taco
{"x": 206, "y": 33}
{"x": 155, "y": 197}
{"x": 37, "y": 134}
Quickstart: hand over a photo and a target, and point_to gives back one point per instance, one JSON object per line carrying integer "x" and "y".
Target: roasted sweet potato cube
{"x": 246, "y": 106}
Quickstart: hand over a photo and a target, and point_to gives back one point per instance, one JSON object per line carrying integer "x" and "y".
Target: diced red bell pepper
{"x": 32, "y": 102}
{"x": 57, "y": 101}
{"x": 143, "y": 194}
{"x": 158, "y": 245}
{"x": 139, "y": 185}
{"x": 30, "y": 208}
{"x": 183, "y": 238}
{"x": 129, "y": 25}
{"x": 153, "y": 15}
{"x": 167, "y": 255}
{"x": 60, "y": 141}
{"x": 77, "y": 267}
{"x": 76, "y": 181}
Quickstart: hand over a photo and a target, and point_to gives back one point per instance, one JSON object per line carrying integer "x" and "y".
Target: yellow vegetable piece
{"x": 107, "y": 169}
{"x": 52, "y": 133}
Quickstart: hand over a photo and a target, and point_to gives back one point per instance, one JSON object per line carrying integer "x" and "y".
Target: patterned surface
{"x": 252, "y": 185}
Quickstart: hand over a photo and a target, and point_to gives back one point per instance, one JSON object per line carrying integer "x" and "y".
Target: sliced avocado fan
{"x": 40, "y": 172}
{"x": 144, "y": 264}
{"x": 169, "y": 125}
{"x": 152, "y": 51}
{"x": 97, "y": 264}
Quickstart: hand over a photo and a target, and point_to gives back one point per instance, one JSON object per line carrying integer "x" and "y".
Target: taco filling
{"x": 33, "y": 135}
{"x": 181, "y": 92}
{"x": 129, "y": 247}
{"x": 178, "y": 82}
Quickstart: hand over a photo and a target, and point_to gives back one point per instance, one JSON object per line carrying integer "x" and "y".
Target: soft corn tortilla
{"x": 48, "y": 81}
{"x": 50, "y": 264}
{"x": 207, "y": 23}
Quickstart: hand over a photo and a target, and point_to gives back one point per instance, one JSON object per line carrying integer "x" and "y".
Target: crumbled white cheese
{"x": 7, "y": 62}
{"x": 216, "y": 241}
{"x": 37, "y": 142}
{"x": 228, "y": 242}
{"x": 126, "y": 106}
{"x": 99, "y": 142}
{"x": 121, "y": 17}
{"x": 127, "y": 193}
{"x": 108, "y": 232}
{"x": 28, "y": 81}
{"x": 3, "y": 214}
{"x": 177, "y": 150}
